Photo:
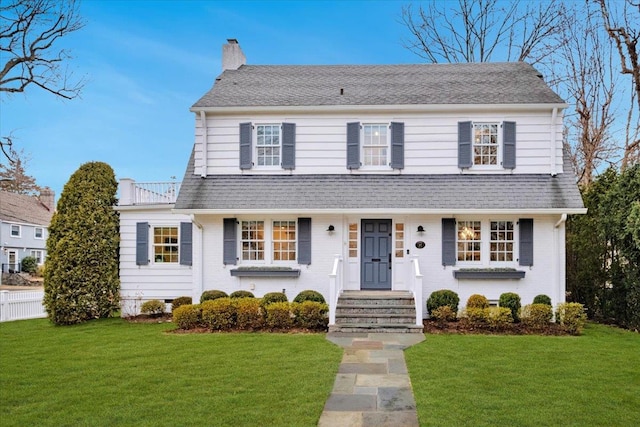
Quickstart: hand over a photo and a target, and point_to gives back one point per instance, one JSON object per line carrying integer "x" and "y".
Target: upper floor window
{"x": 485, "y": 144}
{"x": 165, "y": 244}
{"x": 375, "y": 145}
{"x": 16, "y": 230}
{"x": 38, "y": 233}
{"x": 268, "y": 145}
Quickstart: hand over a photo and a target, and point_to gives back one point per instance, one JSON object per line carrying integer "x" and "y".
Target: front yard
{"x": 112, "y": 372}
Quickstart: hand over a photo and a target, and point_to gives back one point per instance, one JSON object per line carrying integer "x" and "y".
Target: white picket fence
{"x": 19, "y": 305}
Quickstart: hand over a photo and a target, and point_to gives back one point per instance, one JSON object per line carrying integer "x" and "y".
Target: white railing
{"x": 147, "y": 193}
{"x": 336, "y": 286}
{"x": 416, "y": 287}
{"x": 19, "y": 305}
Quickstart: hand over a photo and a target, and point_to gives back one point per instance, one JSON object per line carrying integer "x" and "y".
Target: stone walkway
{"x": 372, "y": 388}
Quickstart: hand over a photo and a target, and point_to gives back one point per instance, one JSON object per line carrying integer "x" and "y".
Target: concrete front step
{"x": 408, "y": 310}
{"x": 376, "y": 328}
{"x": 377, "y": 318}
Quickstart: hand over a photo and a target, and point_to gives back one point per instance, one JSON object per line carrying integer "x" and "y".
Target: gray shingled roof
{"x": 362, "y": 192}
{"x": 417, "y": 84}
{"x": 26, "y": 209}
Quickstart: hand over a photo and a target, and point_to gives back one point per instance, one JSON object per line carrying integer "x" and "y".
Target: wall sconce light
{"x": 331, "y": 229}
{"x": 420, "y": 229}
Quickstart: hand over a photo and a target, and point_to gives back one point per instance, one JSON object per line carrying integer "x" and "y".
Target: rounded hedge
{"x": 477, "y": 301}
{"x": 309, "y": 295}
{"x": 211, "y": 295}
{"x": 542, "y": 299}
{"x": 511, "y": 301}
{"x": 187, "y": 316}
{"x": 153, "y": 307}
{"x": 29, "y": 264}
{"x": 241, "y": 294}
{"x": 443, "y": 297}
{"x": 177, "y": 302}
{"x": 271, "y": 297}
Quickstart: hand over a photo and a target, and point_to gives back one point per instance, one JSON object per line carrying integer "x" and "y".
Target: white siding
{"x": 152, "y": 281}
{"x": 430, "y": 141}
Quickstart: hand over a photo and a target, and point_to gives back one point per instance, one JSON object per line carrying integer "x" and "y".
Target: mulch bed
{"x": 464, "y": 327}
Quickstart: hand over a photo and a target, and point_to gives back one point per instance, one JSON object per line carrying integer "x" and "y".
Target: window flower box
{"x": 265, "y": 272}
{"x": 488, "y": 273}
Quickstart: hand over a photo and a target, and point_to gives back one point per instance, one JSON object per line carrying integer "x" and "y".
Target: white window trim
{"x": 385, "y": 167}
{"x": 256, "y": 146}
{"x": 498, "y": 165}
{"x": 152, "y": 244}
{"x": 485, "y": 243}
{"x": 19, "y": 236}
{"x": 35, "y": 234}
{"x": 268, "y": 242}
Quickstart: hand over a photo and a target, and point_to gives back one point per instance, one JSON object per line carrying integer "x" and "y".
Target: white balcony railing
{"x": 147, "y": 193}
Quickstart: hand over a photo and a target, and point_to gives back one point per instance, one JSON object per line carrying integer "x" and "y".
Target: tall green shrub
{"x": 511, "y": 301}
{"x": 442, "y": 297}
{"x": 81, "y": 277}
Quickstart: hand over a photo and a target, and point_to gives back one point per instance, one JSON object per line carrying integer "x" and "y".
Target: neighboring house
{"x": 24, "y": 222}
{"x": 352, "y": 177}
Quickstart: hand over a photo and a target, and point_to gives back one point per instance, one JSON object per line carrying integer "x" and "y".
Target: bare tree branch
{"x": 28, "y": 31}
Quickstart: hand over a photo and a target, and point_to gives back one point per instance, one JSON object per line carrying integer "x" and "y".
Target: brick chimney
{"x": 232, "y": 55}
{"x": 47, "y": 198}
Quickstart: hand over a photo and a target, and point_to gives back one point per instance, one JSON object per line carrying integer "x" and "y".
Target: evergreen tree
{"x": 81, "y": 275}
{"x": 13, "y": 175}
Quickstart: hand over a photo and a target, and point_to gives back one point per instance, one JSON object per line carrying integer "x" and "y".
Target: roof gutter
{"x": 563, "y": 219}
{"x": 375, "y": 108}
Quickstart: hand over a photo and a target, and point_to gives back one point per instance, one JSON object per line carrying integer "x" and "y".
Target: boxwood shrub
{"x": 444, "y": 314}
{"x": 211, "y": 295}
{"x": 537, "y": 315}
{"x": 309, "y": 295}
{"x": 499, "y": 317}
{"x": 177, "y": 302}
{"x": 279, "y": 315}
{"x": 241, "y": 294}
{"x": 154, "y": 307}
{"x": 441, "y": 298}
{"x": 219, "y": 314}
{"x": 311, "y": 315}
{"x": 476, "y": 315}
{"x": 542, "y": 299}
{"x": 571, "y": 317}
{"x": 249, "y": 314}
{"x": 272, "y": 297}
{"x": 511, "y": 301}
{"x": 477, "y": 301}
{"x": 187, "y": 316}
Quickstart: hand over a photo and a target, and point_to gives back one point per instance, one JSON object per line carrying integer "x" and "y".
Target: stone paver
{"x": 372, "y": 388}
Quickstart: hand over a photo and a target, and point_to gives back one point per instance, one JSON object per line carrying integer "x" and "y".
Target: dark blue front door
{"x": 375, "y": 271}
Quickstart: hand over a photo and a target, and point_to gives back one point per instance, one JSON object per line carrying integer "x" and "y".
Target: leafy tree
{"x": 13, "y": 175}
{"x": 81, "y": 275}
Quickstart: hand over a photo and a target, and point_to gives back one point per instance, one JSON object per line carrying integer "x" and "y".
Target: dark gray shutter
{"x": 142, "y": 243}
{"x": 448, "y": 241}
{"x": 304, "y": 241}
{"x": 353, "y": 145}
{"x": 186, "y": 243}
{"x": 526, "y": 241}
{"x": 509, "y": 145}
{"x": 465, "y": 134}
{"x": 288, "y": 146}
{"x": 229, "y": 246}
{"x": 397, "y": 145}
{"x": 245, "y": 146}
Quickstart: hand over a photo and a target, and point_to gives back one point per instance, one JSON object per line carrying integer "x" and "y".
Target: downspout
{"x": 553, "y": 142}
{"x": 205, "y": 143}
{"x": 559, "y": 269}
{"x": 198, "y": 261}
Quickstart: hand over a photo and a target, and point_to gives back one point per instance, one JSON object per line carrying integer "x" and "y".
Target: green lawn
{"x": 478, "y": 380}
{"x": 113, "y": 373}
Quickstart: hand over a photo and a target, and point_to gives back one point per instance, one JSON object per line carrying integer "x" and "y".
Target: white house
{"x": 363, "y": 177}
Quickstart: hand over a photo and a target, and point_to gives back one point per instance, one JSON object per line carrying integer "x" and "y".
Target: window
{"x": 38, "y": 233}
{"x": 16, "y": 230}
{"x": 399, "y": 240}
{"x": 38, "y": 256}
{"x": 485, "y": 144}
{"x": 165, "y": 244}
{"x": 469, "y": 241}
{"x": 353, "y": 240}
{"x": 501, "y": 243}
{"x": 268, "y": 145}
{"x": 375, "y": 145}
{"x": 252, "y": 240}
{"x": 284, "y": 240}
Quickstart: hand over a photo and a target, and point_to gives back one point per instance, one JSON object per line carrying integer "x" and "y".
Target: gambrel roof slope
{"x": 23, "y": 209}
{"x": 342, "y": 85}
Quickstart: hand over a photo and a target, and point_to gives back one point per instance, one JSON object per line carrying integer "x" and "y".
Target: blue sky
{"x": 147, "y": 62}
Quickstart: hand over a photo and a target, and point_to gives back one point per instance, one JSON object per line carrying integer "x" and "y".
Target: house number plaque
{"x": 420, "y": 244}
